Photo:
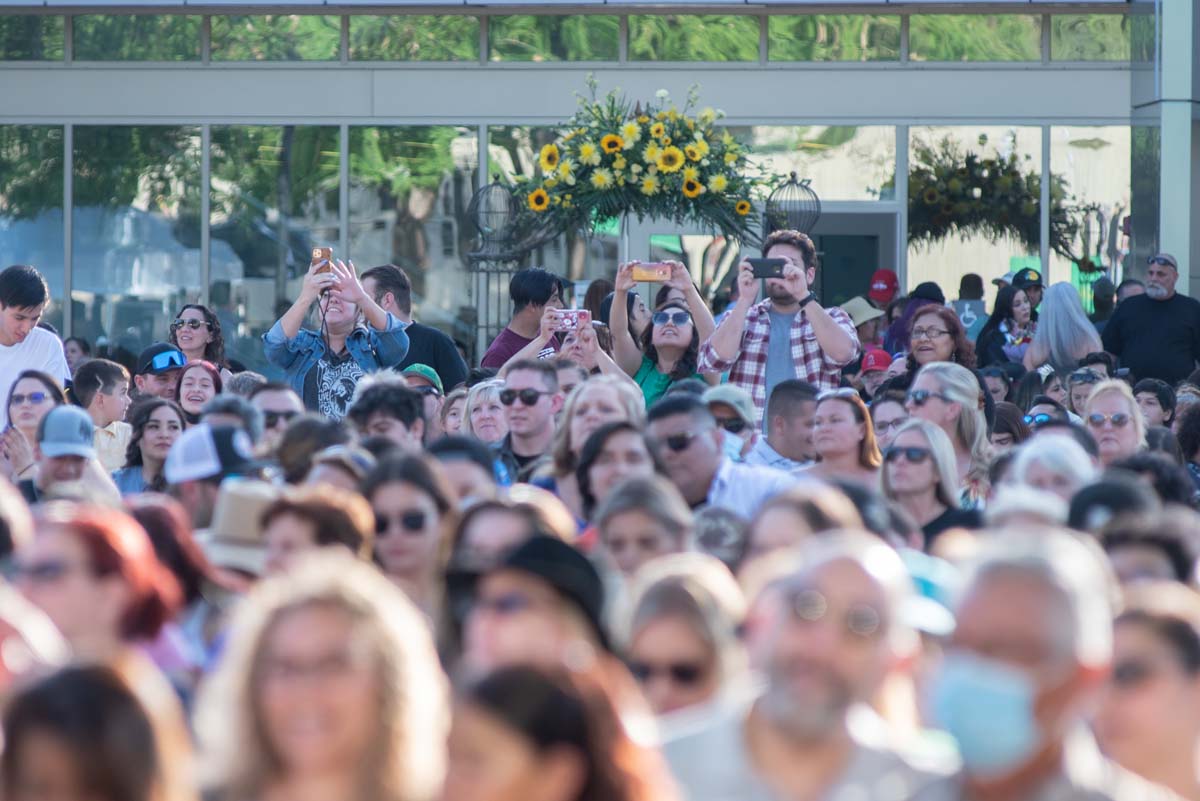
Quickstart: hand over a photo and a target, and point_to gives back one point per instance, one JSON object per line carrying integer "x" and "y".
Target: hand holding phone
{"x": 768, "y": 268}
{"x": 654, "y": 272}
{"x": 572, "y": 319}
{"x": 320, "y": 255}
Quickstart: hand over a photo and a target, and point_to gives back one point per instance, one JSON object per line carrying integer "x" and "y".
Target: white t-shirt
{"x": 41, "y": 350}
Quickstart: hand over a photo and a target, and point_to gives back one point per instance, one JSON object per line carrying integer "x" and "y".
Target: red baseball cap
{"x": 875, "y": 359}
{"x": 884, "y": 285}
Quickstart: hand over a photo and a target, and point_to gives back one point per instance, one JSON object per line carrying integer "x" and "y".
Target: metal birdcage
{"x": 493, "y": 209}
{"x": 793, "y": 205}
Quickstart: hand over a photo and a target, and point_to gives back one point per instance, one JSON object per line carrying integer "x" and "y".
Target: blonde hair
{"x": 630, "y": 398}
{"x": 962, "y": 387}
{"x": 482, "y": 392}
{"x": 406, "y": 761}
{"x": 1119, "y": 387}
{"x": 945, "y": 465}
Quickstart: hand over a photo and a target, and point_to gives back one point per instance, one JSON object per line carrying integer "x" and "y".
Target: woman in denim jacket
{"x": 324, "y": 366}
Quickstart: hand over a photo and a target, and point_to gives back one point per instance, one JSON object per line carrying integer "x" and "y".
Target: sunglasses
{"x": 1037, "y": 420}
{"x": 844, "y": 392}
{"x": 413, "y": 521}
{"x": 859, "y": 620}
{"x": 913, "y": 454}
{"x": 272, "y": 419}
{"x": 920, "y": 397}
{"x": 192, "y": 324}
{"x": 166, "y": 360}
{"x": 734, "y": 425}
{"x": 678, "y": 442}
{"x": 529, "y": 397}
{"x": 428, "y": 390}
{"x": 1119, "y": 420}
{"x": 1084, "y": 377}
{"x": 34, "y": 398}
{"x": 677, "y": 318}
{"x": 677, "y": 672}
{"x": 1161, "y": 262}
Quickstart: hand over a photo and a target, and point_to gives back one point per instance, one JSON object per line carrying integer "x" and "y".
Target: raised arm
{"x": 346, "y": 282}
{"x": 536, "y": 346}
{"x": 626, "y": 353}
{"x": 702, "y": 317}
{"x": 837, "y": 344}
{"x": 310, "y": 289}
{"x": 726, "y": 341}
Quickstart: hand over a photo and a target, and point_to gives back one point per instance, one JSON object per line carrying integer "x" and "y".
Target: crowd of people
{"x": 779, "y": 550}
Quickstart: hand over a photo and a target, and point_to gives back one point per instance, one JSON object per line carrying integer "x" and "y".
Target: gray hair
{"x": 1059, "y": 454}
{"x": 245, "y": 382}
{"x": 239, "y": 407}
{"x": 962, "y": 387}
{"x": 945, "y": 464}
{"x": 1064, "y": 333}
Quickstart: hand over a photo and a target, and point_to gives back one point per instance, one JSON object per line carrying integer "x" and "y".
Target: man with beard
{"x": 1157, "y": 334}
{"x": 825, "y": 635}
{"x": 786, "y": 336}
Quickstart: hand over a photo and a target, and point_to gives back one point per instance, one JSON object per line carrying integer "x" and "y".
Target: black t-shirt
{"x": 1155, "y": 338}
{"x": 951, "y": 518}
{"x": 330, "y": 384}
{"x": 430, "y": 346}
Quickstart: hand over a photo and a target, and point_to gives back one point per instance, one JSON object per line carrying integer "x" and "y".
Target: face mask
{"x": 987, "y": 707}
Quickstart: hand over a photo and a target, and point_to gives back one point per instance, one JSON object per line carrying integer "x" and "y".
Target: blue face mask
{"x": 987, "y": 707}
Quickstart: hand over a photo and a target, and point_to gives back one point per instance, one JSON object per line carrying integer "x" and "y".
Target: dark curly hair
{"x": 214, "y": 351}
{"x": 964, "y": 351}
{"x": 686, "y": 366}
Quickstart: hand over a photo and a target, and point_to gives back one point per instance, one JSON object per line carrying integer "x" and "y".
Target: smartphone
{"x": 656, "y": 272}
{"x": 325, "y": 255}
{"x": 767, "y": 268}
{"x": 572, "y": 319}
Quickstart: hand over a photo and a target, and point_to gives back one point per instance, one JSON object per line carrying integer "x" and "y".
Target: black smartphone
{"x": 767, "y": 268}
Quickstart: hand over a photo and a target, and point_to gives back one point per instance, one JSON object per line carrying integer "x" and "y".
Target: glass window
{"x": 409, "y": 192}
{"x": 135, "y": 37}
{"x": 693, "y": 37}
{"x": 274, "y": 196}
{"x": 135, "y": 232}
{"x": 31, "y": 205}
{"x": 843, "y": 162}
{"x": 833, "y": 37}
{"x": 1089, "y": 37}
{"x": 975, "y": 37}
{"x": 31, "y": 37}
{"x": 553, "y": 38}
{"x": 414, "y": 37}
{"x": 973, "y": 199}
{"x": 276, "y": 37}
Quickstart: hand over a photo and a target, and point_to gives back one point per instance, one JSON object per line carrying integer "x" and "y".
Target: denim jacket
{"x": 373, "y": 350}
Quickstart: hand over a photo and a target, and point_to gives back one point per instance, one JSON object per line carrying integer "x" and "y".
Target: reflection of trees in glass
{"x": 693, "y": 37}
{"x": 31, "y": 170}
{"x": 1143, "y": 27}
{"x": 31, "y": 37}
{"x": 975, "y": 37}
{"x": 833, "y": 37}
{"x": 135, "y": 37}
{"x": 276, "y": 37}
{"x": 116, "y": 165}
{"x": 414, "y": 37}
{"x": 553, "y": 38}
{"x": 518, "y": 147}
{"x": 1145, "y": 176}
{"x": 1089, "y": 37}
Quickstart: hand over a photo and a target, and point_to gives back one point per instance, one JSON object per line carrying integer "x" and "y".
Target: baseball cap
{"x": 426, "y": 372}
{"x": 1007, "y": 278}
{"x": 860, "y": 311}
{"x": 875, "y": 359}
{"x": 1026, "y": 278}
{"x": 160, "y": 357}
{"x": 204, "y": 452}
{"x": 884, "y": 285}
{"x": 735, "y": 398}
{"x": 67, "y": 431}
{"x": 567, "y": 571}
{"x": 1160, "y": 258}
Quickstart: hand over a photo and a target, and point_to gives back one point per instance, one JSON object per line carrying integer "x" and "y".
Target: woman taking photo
{"x": 948, "y": 395}
{"x": 844, "y": 438}
{"x": 32, "y": 395}
{"x": 156, "y": 423}
{"x": 670, "y": 345}
{"x": 1009, "y": 331}
{"x": 1064, "y": 335}
{"x": 197, "y": 332}
{"x": 199, "y": 382}
{"x": 919, "y": 475}
{"x": 329, "y": 688}
{"x": 1114, "y": 419}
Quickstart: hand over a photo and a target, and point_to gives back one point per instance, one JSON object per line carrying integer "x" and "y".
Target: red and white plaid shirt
{"x": 748, "y": 369}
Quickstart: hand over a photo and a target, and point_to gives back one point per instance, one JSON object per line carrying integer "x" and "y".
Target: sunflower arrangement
{"x": 655, "y": 160}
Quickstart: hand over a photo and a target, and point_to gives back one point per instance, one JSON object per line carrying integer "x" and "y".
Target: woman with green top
{"x": 670, "y": 345}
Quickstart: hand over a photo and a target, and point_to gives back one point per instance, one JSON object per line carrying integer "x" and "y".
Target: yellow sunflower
{"x": 588, "y": 154}
{"x": 692, "y": 188}
{"x": 692, "y": 152}
{"x": 611, "y": 143}
{"x": 670, "y": 160}
{"x": 701, "y": 146}
{"x": 548, "y": 158}
{"x": 691, "y": 174}
{"x": 742, "y": 207}
{"x": 718, "y": 183}
{"x": 538, "y": 200}
{"x": 658, "y": 129}
{"x": 649, "y": 185}
{"x": 602, "y": 179}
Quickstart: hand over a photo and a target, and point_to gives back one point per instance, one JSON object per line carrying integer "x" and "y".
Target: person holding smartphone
{"x": 789, "y": 335}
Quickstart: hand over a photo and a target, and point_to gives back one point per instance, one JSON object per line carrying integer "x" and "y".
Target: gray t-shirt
{"x": 780, "y": 364}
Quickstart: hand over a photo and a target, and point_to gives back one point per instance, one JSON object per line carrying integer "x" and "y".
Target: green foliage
{"x": 692, "y": 37}
{"x": 31, "y": 37}
{"x": 833, "y": 37}
{"x": 276, "y": 37}
{"x": 283, "y": 168}
{"x": 975, "y": 37}
{"x": 115, "y": 165}
{"x": 1089, "y": 37}
{"x": 448, "y": 37}
{"x": 400, "y": 159}
{"x": 553, "y": 38}
{"x": 31, "y": 169}
{"x": 136, "y": 37}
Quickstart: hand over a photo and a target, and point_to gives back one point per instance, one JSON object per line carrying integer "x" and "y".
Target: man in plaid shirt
{"x": 788, "y": 335}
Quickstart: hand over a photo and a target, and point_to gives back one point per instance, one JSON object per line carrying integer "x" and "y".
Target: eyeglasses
{"x": 192, "y": 324}
{"x": 677, "y": 318}
{"x": 509, "y": 603}
{"x": 1084, "y": 377}
{"x": 272, "y": 419}
{"x": 890, "y": 425}
{"x": 860, "y": 620}
{"x": 929, "y": 333}
{"x": 1037, "y": 420}
{"x": 412, "y": 521}
{"x": 166, "y": 360}
{"x": 678, "y": 672}
{"x": 529, "y": 397}
{"x": 1119, "y": 420}
{"x": 678, "y": 442}
{"x": 734, "y": 425}
{"x": 913, "y": 455}
{"x": 920, "y": 397}
{"x": 34, "y": 398}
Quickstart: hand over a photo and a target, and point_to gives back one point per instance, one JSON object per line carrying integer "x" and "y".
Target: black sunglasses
{"x": 529, "y": 397}
{"x": 679, "y": 442}
{"x": 919, "y": 397}
{"x": 914, "y": 454}
{"x": 413, "y": 521}
{"x": 1161, "y": 262}
{"x": 678, "y": 672}
{"x": 734, "y": 425}
{"x": 678, "y": 318}
{"x": 428, "y": 390}
{"x": 1084, "y": 377}
{"x": 271, "y": 419}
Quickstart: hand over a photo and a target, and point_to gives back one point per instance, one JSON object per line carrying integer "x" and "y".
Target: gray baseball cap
{"x": 67, "y": 431}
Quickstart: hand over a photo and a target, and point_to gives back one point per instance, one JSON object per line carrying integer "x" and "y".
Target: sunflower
{"x": 588, "y": 154}
{"x": 630, "y": 133}
{"x": 701, "y": 147}
{"x": 602, "y": 179}
{"x": 611, "y": 143}
{"x": 718, "y": 183}
{"x": 548, "y": 158}
{"x": 658, "y": 129}
{"x": 650, "y": 185}
{"x": 692, "y": 188}
{"x": 931, "y": 197}
{"x": 693, "y": 153}
{"x": 691, "y": 174}
{"x": 670, "y": 160}
{"x": 538, "y": 200}
{"x": 742, "y": 207}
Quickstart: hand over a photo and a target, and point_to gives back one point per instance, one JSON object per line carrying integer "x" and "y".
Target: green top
{"x": 654, "y": 383}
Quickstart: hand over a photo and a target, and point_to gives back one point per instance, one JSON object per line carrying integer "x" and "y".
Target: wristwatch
{"x": 807, "y": 299}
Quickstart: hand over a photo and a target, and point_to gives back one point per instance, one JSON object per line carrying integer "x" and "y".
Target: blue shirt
{"x": 780, "y": 366}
